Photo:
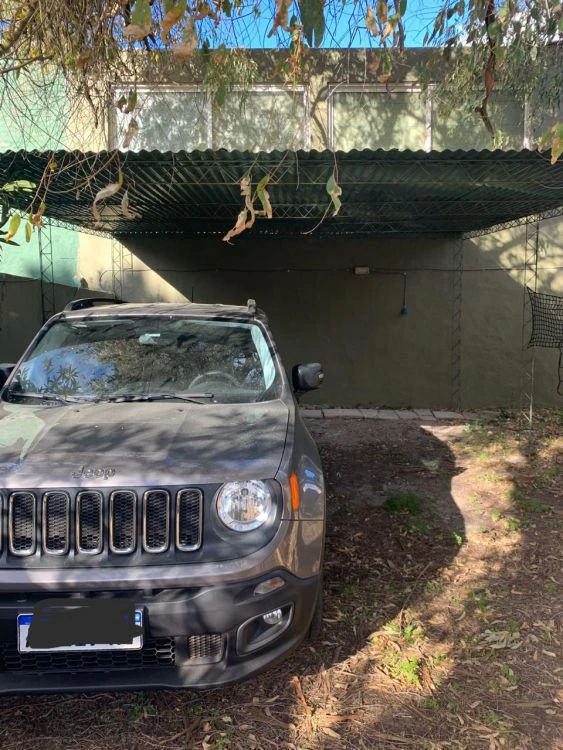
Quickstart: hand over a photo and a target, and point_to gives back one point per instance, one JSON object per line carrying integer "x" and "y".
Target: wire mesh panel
{"x": 547, "y": 325}
{"x": 547, "y": 319}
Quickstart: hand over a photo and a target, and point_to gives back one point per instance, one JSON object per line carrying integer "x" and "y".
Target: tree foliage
{"x": 479, "y": 47}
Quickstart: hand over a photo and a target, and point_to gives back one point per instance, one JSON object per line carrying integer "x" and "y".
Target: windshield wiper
{"x": 46, "y": 397}
{"x": 131, "y": 397}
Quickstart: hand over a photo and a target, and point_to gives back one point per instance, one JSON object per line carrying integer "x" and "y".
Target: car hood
{"x": 139, "y": 444}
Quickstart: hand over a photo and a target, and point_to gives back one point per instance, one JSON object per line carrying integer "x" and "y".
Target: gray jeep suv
{"x": 162, "y": 504}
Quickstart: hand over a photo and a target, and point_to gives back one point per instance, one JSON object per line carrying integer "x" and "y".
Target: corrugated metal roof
{"x": 198, "y": 193}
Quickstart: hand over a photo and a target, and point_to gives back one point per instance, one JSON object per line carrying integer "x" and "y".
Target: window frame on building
{"x": 117, "y": 89}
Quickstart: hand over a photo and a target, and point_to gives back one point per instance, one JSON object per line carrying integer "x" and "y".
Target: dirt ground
{"x": 442, "y": 623}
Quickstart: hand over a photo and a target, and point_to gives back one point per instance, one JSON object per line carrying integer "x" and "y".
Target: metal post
{"x": 3, "y": 284}
{"x": 457, "y": 301}
{"x": 116, "y": 273}
{"x": 121, "y": 262}
{"x": 46, "y": 270}
{"x": 530, "y": 281}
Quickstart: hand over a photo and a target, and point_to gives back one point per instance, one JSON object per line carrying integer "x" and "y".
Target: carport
{"x": 385, "y": 194}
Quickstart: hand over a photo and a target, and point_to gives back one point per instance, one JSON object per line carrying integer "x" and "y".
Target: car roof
{"x": 172, "y": 309}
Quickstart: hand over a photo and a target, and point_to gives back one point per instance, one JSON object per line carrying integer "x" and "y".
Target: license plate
{"x": 94, "y": 625}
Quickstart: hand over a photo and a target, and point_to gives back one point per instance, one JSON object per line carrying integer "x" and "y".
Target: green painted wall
{"x": 36, "y": 119}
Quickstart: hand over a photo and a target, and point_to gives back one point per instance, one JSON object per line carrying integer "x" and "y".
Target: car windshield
{"x": 149, "y": 358}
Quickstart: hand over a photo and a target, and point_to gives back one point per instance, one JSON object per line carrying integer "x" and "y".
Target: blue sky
{"x": 345, "y": 25}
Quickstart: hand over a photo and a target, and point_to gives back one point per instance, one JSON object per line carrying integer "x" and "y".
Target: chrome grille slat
{"x": 189, "y": 508}
{"x": 123, "y": 522}
{"x": 89, "y": 522}
{"x": 156, "y": 520}
{"x": 22, "y": 517}
{"x": 55, "y": 523}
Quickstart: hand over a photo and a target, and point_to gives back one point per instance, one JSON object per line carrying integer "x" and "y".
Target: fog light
{"x": 274, "y": 617}
{"x": 266, "y": 587}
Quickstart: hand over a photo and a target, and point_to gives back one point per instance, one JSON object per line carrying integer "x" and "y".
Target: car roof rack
{"x": 85, "y": 302}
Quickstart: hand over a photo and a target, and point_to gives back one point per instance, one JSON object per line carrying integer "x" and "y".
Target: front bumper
{"x": 193, "y": 637}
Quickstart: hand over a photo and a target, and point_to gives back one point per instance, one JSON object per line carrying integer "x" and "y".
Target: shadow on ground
{"x": 441, "y": 585}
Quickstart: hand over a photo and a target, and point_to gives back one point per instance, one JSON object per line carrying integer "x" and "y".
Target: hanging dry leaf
{"x": 174, "y": 14}
{"x": 126, "y": 211}
{"x": 370, "y": 22}
{"x": 131, "y": 132}
{"x": 36, "y": 218}
{"x": 136, "y": 33}
{"x": 243, "y": 220}
{"x": 106, "y": 192}
{"x": 239, "y": 227}
{"x": 141, "y": 20}
{"x": 189, "y": 42}
{"x": 203, "y": 11}
{"x": 281, "y": 17}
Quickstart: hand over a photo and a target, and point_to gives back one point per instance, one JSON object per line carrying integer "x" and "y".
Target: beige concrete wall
{"x": 139, "y": 283}
{"x": 20, "y": 311}
{"x": 493, "y": 306}
{"x": 321, "y": 311}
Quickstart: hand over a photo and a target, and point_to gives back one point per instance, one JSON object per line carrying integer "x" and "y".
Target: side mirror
{"x": 5, "y": 371}
{"x": 307, "y": 377}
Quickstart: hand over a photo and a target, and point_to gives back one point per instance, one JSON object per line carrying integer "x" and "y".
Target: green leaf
{"x": 11, "y": 187}
{"x": 554, "y": 139}
{"x": 28, "y": 231}
{"x": 141, "y": 20}
{"x": 131, "y": 102}
{"x": 263, "y": 196}
{"x": 221, "y": 94}
{"x": 13, "y": 226}
{"x": 227, "y": 8}
{"x": 403, "y": 7}
{"x": 141, "y": 15}
{"x": 335, "y": 191}
{"x": 313, "y": 20}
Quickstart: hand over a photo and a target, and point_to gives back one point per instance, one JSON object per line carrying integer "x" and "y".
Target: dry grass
{"x": 442, "y": 621}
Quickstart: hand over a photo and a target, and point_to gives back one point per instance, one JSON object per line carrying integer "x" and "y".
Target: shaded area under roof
{"x": 383, "y": 192}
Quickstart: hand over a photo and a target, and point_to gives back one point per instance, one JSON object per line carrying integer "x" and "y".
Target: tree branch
{"x": 21, "y": 65}
{"x": 22, "y": 27}
{"x": 489, "y": 70}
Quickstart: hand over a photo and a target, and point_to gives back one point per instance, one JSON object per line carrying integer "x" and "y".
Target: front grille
{"x": 56, "y": 523}
{"x": 206, "y": 648}
{"x": 188, "y": 520}
{"x": 157, "y": 652}
{"x": 156, "y": 520}
{"x": 21, "y": 523}
{"x": 123, "y": 522}
{"x": 89, "y": 522}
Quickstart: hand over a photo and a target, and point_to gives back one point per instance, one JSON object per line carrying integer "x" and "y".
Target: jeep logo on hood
{"x": 106, "y": 472}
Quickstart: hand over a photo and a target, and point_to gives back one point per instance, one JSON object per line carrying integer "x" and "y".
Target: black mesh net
{"x": 547, "y": 319}
{"x": 547, "y": 325}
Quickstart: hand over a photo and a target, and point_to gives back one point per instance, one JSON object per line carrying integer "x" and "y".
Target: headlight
{"x": 244, "y": 506}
